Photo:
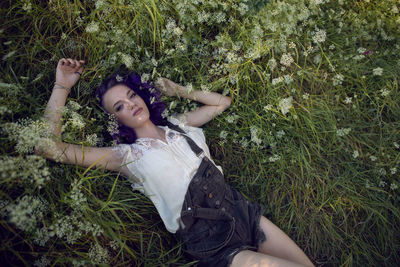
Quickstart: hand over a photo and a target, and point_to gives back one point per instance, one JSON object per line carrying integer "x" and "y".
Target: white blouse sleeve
{"x": 127, "y": 156}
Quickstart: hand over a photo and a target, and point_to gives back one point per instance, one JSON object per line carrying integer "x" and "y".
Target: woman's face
{"x": 128, "y": 107}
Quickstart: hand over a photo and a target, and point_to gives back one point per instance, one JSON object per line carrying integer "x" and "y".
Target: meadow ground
{"x": 313, "y": 132}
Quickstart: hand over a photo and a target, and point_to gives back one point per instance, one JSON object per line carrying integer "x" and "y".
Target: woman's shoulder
{"x": 181, "y": 121}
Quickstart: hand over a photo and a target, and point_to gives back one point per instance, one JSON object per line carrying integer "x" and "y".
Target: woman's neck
{"x": 150, "y": 130}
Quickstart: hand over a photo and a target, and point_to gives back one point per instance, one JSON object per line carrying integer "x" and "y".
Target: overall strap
{"x": 195, "y": 148}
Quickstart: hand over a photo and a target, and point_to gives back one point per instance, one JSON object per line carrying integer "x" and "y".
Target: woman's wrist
{"x": 60, "y": 86}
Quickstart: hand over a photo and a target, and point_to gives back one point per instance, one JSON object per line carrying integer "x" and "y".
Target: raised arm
{"x": 214, "y": 103}
{"x": 67, "y": 74}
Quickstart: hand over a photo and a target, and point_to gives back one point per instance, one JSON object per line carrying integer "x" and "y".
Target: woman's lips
{"x": 137, "y": 111}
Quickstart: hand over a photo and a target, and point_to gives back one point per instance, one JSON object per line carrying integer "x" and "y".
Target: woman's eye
{"x": 132, "y": 95}
{"x": 119, "y": 108}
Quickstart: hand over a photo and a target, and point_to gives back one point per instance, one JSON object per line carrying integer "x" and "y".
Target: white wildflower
{"x": 92, "y": 27}
{"x": 355, "y": 154}
{"x": 112, "y": 127}
{"x": 393, "y": 186}
{"x": 306, "y": 96}
{"x": 381, "y": 171}
{"x": 286, "y": 60}
{"x": 42, "y": 262}
{"x": 393, "y": 170}
{"x": 384, "y": 92}
{"x": 232, "y": 118}
{"x": 373, "y": 158}
{"x": 382, "y": 183}
{"x": 280, "y": 133}
{"x": 285, "y": 105}
{"x": 27, "y": 6}
{"x": 99, "y": 4}
{"x": 319, "y": 36}
{"x": 223, "y": 134}
{"x": 337, "y": 79}
{"x": 31, "y": 169}
{"x": 98, "y": 254}
{"x": 377, "y": 71}
{"x": 29, "y": 134}
{"x": 127, "y": 60}
{"x": 114, "y": 244}
{"x": 288, "y": 79}
{"x": 268, "y": 107}
{"x": 276, "y": 81}
{"x": 361, "y": 50}
{"x": 274, "y": 158}
{"x": 317, "y": 59}
{"x": 254, "y": 135}
{"x": 348, "y": 100}
{"x": 26, "y": 212}
{"x": 343, "y": 131}
{"x": 244, "y": 142}
{"x": 272, "y": 64}
{"x": 205, "y": 88}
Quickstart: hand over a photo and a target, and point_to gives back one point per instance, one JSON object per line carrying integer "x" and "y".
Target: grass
{"x": 340, "y": 206}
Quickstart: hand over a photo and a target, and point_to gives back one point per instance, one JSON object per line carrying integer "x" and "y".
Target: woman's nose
{"x": 131, "y": 105}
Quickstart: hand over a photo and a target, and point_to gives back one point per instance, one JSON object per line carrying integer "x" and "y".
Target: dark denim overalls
{"x": 219, "y": 221}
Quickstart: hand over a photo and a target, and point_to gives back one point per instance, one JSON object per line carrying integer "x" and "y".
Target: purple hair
{"x": 146, "y": 90}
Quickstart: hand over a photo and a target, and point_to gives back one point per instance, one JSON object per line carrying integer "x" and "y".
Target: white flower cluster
{"x": 319, "y": 36}
{"x": 384, "y": 92}
{"x": 232, "y": 118}
{"x": 287, "y": 60}
{"x": 28, "y": 134}
{"x": 274, "y": 158}
{"x": 26, "y": 212}
{"x": 112, "y": 127}
{"x": 42, "y": 262}
{"x": 223, "y": 134}
{"x": 337, "y": 79}
{"x": 126, "y": 59}
{"x": 78, "y": 199}
{"x": 4, "y": 110}
{"x": 74, "y": 121}
{"x": 377, "y": 71}
{"x": 272, "y": 64}
{"x": 31, "y": 169}
{"x": 98, "y": 254}
{"x": 285, "y": 105}
{"x": 343, "y": 131}
{"x": 92, "y": 139}
{"x": 254, "y": 132}
{"x": 92, "y": 27}
{"x": 72, "y": 227}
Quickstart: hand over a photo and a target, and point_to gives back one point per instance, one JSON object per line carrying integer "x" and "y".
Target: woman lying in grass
{"x": 169, "y": 162}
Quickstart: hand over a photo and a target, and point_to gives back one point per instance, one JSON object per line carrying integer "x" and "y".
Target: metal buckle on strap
{"x": 201, "y": 154}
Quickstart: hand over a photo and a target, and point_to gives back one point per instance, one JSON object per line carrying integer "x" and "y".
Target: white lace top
{"x": 162, "y": 171}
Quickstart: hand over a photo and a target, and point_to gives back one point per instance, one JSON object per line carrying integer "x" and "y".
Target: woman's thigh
{"x": 279, "y": 244}
{"x": 255, "y": 259}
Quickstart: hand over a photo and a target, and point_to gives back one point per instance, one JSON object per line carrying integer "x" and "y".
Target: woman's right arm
{"x": 101, "y": 157}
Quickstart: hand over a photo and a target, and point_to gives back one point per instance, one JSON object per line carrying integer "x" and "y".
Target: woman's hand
{"x": 68, "y": 71}
{"x": 170, "y": 88}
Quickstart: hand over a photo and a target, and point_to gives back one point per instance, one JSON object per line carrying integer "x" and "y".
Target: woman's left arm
{"x": 214, "y": 103}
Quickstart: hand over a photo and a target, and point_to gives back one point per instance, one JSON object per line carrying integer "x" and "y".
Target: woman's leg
{"x": 247, "y": 258}
{"x": 277, "y": 250}
{"x": 279, "y": 245}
